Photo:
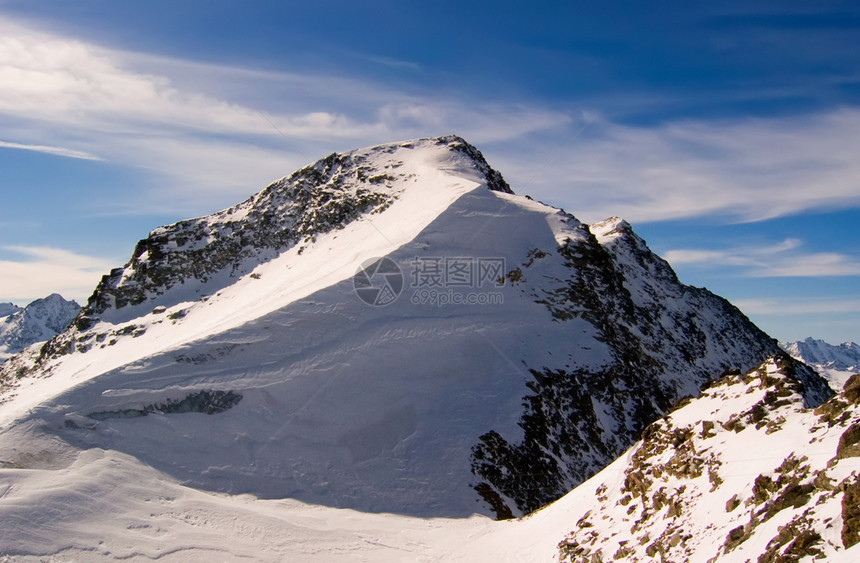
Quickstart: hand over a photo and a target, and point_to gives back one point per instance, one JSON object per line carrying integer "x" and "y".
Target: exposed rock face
{"x": 746, "y": 465}
{"x": 313, "y": 200}
{"x": 206, "y": 402}
{"x": 666, "y": 340}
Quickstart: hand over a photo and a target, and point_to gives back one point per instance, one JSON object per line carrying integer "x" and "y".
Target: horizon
{"x": 726, "y": 135}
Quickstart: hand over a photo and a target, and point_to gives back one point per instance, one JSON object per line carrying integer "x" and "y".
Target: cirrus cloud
{"x": 743, "y": 169}
{"x": 779, "y": 260}
{"x": 47, "y": 149}
{"x": 205, "y": 129}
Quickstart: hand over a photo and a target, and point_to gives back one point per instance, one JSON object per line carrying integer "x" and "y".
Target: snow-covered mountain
{"x": 37, "y": 322}
{"x": 835, "y": 363}
{"x": 845, "y": 356}
{"x": 7, "y": 309}
{"x": 389, "y": 330}
{"x": 745, "y": 472}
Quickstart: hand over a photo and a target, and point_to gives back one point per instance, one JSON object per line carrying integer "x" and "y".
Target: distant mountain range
{"x": 39, "y": 321}
{"x": 835, "y": 362}
{"x": 845, "y": 356}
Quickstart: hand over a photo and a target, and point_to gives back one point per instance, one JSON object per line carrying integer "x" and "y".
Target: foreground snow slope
{"x": 102, "y": 505}
{"x": 742, "y": 471}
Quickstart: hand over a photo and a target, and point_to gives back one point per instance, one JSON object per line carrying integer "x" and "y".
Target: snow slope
{"x": 60, "y": 503}
{"x": 103, "y": 505}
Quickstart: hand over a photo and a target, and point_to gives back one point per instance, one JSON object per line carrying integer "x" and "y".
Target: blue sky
{"x": 727, "y": 133}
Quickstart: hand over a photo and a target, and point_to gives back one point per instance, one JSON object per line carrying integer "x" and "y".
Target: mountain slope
{"x": 102, "y": 505}
{"x": 37, "y": 322}
{"x": 744, "y": 472}
{"x": 666, "y": 339}
{"x": 7, "y": 309}
{"x": 524, "y": 352}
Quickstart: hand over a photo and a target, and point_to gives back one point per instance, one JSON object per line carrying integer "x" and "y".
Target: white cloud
{"x": 779, "y": 260}
{"x": 44, "y": 270}
{"x": 58, "y": 151}
{"x": 797, "y": 306}
{"x": 209, "y": 130}
{"x": 69, "y": 82}
{"x": 745, "y": 169}
{"x": 206, "y": 128}
{"x": 819, "y": 264}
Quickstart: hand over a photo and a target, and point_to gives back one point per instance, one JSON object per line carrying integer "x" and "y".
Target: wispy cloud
{"x": 207, "y": 128}
{"x": 392, "y": 62}
{"x": 217, "y": 131}
{"x": 743, "y": 169}
{"x": 797, "y": 306}
{"x": 58, "y": 151}
{"x": 785, "y": 259}
{"x": 39, "y": 271}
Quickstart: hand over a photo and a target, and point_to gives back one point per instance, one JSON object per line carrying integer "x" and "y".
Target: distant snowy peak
{"x": 7, "y": 309}
{"x": 39, "y": 321}
{"x": 845, "y": 356}
{"x": 835, "y": 363}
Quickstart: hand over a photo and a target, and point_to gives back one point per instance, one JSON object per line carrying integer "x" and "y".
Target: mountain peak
{"x": 198, "y": 256}
{"x": 494, "y": 179}
{"x": 7, "y": 309}
{"x": 611, "y": 228}
{"x": 835, "y": 362}
{"x": 37, "y": 322}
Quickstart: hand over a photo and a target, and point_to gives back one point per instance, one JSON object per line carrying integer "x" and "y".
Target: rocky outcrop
{"x": 666, "y": 340}
{"x": 701, "y": 485}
